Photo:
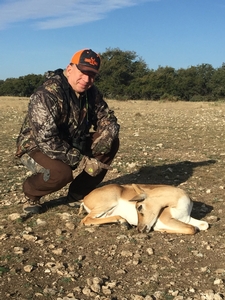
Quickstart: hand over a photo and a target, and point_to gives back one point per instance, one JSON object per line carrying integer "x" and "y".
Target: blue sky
{"x": 41, "y": 35}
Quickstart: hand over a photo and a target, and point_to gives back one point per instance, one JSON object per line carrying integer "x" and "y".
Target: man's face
{"x": 80, "y": 81}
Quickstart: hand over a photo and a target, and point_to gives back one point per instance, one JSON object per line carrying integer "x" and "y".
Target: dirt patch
{"x": 49, "y": 257}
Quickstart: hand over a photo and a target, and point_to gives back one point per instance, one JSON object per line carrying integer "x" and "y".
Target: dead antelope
{"x": 158, "y": 207}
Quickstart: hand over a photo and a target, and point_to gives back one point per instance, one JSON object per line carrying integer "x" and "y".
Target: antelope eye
{"x": 139, "y": 208}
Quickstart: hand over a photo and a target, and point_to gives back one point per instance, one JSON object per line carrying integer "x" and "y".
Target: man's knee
{"x": 55, "y": 172}
{"x": 61, "y": 175}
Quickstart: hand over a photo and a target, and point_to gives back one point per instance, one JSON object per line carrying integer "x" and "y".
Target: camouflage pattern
{"x": 34, "y": 167}
{"x": 92, "y": 166}
{"x": 58, "y": 121}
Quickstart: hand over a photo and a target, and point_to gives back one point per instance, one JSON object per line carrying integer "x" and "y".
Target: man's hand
{"x": 92, "y": 166}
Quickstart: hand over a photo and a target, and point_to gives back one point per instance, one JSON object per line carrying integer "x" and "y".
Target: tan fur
{"x": 158, "y": 207}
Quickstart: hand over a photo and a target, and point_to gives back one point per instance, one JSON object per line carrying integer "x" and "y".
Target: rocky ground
{"x": 50, "y": 256}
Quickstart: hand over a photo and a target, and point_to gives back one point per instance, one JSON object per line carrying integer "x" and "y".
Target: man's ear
{"x": 68, "y": 69}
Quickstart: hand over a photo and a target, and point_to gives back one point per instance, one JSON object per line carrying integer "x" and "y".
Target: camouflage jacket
{"x": 58, "y": 121}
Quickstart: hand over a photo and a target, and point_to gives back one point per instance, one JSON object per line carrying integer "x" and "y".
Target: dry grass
{"x": 176, "y": 143}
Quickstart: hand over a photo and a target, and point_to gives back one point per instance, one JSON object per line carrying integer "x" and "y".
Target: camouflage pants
{"x": 50, "y": 175}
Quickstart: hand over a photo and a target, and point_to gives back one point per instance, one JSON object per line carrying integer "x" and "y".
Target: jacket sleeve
{"x": 43, "y": 113}
{"x": 105, "y": 124}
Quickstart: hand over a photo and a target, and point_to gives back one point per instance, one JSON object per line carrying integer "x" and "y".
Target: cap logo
{"x": 91, "y": 61}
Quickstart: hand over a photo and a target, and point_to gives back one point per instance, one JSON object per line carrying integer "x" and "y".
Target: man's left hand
{"x": 93, "y": 166}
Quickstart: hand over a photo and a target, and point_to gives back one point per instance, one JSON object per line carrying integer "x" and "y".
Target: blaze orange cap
{"x": 86, "y": 60}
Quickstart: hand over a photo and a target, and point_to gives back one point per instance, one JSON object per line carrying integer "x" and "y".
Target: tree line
{"x": 124, "y": 75}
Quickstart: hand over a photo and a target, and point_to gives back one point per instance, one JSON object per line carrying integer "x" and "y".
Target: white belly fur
{"x": 125, "y": 209}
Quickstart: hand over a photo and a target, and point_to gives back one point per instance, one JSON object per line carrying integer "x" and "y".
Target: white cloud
{"x": 49, "y": 14}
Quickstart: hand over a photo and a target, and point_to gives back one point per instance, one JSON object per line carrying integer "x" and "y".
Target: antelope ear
{"x": 138, "y": 198}
{"x": 137, "y": 189}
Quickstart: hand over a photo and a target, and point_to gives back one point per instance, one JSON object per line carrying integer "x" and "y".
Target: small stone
{"x": 70, "y": 295}
{"x": 150, "y": 251}
{"x": 220, "y": 271}
{"x": 70, "y": 225}
{"x": 49, "y": 291}
{"x": 86, "y": 291}
{"x": 126, "y": 253}
{"x": 58, "y": 251}
{"x": 212, "y": 219}
{"x": 14, "y": 216}
{"x": 136, "y": 262}
{"x": 47, "y": 271}
{"x": 64, "y": 216}
{"x": 28, "y": 268}
{"x": 218, "y": 281}
{"x": 30, "y": 237}
{"x": 111, "y": 284}
{"x": 120, "y": 271}
{"x": 97, "y": 280}
{"x": 138, "y": 297}
{"x": 58, "y": 231}
{"x": 4, "y": 237}
{"x": 18, "y": 250}
{"x": 41, "y": 222}
{"x": 106, "y": 290}
{"x": 95, "y": 288}
{"x": 38, "y": 295}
